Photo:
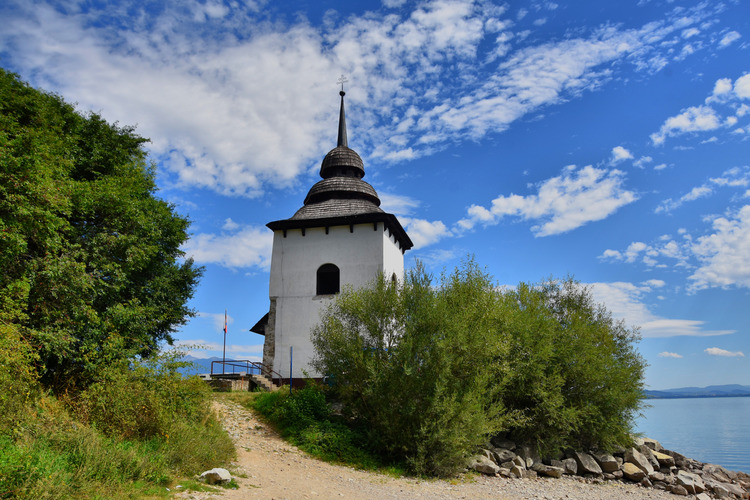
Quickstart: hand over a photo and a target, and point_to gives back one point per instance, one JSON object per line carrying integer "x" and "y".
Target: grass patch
{"x": 304, "y": 418}
{"x": 75, "y": 447}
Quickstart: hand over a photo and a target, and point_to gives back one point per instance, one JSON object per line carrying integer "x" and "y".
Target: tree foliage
{"x": 91, "y": 259}
{"x": 435, "y": 369}
{"x": 416, "y": 364}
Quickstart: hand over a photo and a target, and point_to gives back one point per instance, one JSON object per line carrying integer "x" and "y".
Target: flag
{"x": 225, "y": 321}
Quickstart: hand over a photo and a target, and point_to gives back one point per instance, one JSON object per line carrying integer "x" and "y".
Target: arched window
{"x": 328, "y": 280}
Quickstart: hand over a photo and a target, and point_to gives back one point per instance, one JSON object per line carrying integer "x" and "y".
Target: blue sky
{"x": 605, "y": 140}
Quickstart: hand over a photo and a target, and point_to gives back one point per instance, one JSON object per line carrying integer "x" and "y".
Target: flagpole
{"x": 224, "y": 355}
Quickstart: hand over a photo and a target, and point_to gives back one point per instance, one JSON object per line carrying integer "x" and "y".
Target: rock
{"x": 719, "y": 473}
{"x": 676, "y": 489}
{"x": 503, "y": 455}
{"x": 633, "y": 472}
{"x": 657, "y": 476}
{"x": 663, "y": 459}
{"x": 719, "y": 490}
{"x": 483, "y": 465}
{"x": 517, "y": 471}
{"x": 646, "y": 483}
{"x": 691, "y": 482}
{"x": 529, "y": 454}
{"x": 638, "y": 459}
{"x": 586, "y": 464}
{"x": 547, "y": 470}
{"x": 649, "y": 455}
{"x": 679, "y": 460}
{"x": 652, "y": 444}
{"x": 570, "y": 466}
{"x": 703, "y": 496}
{"x": 736, "y": 490}
{"x": 216, "y": 476}
{"x": 519, "y": 462}
{"x": 507, "y": 465}
{"x": 607, "y": 462}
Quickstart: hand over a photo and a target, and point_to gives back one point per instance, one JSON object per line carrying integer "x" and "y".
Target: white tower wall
{"x": 360, "y": 252}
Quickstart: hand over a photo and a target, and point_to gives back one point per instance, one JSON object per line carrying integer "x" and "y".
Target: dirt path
{"x": 274, "y": 469}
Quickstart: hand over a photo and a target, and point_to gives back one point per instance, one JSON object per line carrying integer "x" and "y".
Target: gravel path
{"x": 274, "y": 469}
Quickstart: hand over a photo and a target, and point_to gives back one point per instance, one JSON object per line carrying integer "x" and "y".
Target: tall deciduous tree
{"x": 91, "y": 259}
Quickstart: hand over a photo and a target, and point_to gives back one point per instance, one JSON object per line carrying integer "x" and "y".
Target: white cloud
{"x": 694, "y": 194}
{"x": 742, "y": 87}
{"x": 626, "y": 302}
{"x": 217, "y": 320}
{"x": 667, "y": 354}
{"x": 250, "y": 246}
{"x": 203, "y": 349}
{"x": 562, "y": 203}
{"x": 729, "y": 38}
{"x": 707, "y": 117}
{"x": 423, "y": 233}
{"x": 723, "y": 254}
{"x": 619, "y": 154}
{"x": 693, "y": 119}
{"x": 715, "y": 351}
{"x": 235, "y": 103}
{"x": 642, "y": 161}
{"x": 397, "y": 204}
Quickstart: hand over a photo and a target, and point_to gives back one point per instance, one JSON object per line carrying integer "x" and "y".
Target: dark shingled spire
{"x": 342, "y": 123}
{"x": 342, "y": 197}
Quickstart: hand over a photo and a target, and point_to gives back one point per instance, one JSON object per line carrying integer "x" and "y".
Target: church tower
{"x": 339, "y": 237}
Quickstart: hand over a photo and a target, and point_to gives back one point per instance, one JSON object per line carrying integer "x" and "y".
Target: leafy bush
{"x": 144, "y": 399}
{"x": 576, "y": 378}
{"x": 417, "y": 365}
{"x": 18, "y": 383}
{"x": 433, "y": 370}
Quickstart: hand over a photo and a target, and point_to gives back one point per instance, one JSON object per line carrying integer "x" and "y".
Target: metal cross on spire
{"x": 342, "y": 80}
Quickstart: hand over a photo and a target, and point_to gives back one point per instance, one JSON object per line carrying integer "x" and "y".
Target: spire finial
{"x": 342, "y": 118}
{"x": 342, "y": 80}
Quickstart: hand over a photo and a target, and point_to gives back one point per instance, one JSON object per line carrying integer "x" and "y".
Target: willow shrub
{"x": 576, "y": 376}
{"x": 418, "y": 365}
{"x": 433, "y": 368}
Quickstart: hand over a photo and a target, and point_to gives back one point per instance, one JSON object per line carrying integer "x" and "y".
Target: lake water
{"x": 713, "y": 430}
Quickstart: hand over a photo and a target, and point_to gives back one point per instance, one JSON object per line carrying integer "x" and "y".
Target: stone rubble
{"x": 647, "y": 464}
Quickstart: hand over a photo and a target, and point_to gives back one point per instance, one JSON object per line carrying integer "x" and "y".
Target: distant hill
{"x": 712, "y": 391}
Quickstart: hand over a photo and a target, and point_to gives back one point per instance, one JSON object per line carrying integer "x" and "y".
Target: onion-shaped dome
{"x": 342, "y": 192}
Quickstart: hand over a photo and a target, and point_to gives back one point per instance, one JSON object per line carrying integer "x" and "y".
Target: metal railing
{"x": 242, "y": 367}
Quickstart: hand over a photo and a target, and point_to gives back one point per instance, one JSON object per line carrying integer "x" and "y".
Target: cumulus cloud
{"x": 423, "y": 232}
{"x": 562, "y": 203}
{"x": 619, "y": 154}
{"x": 667, "y": 354}
{"x": 248, "y": 246}
{"x": 236, "y": 102}
{"x": 721, "y": 110}
{"x": 723, "y": 254}
{"x": 715, "y": 351}
{"x": 693, "y": 119}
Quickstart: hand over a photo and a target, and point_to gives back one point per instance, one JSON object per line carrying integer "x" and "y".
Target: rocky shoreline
{"x": 648, "y": 464}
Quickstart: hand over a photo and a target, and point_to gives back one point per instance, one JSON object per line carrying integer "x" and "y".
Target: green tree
{"x": 417, "y": 365}
{"x": 92, "y": 266}
{"x": 433, "y": 370}
{"x": 577, "y": 378}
